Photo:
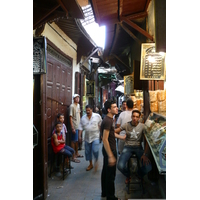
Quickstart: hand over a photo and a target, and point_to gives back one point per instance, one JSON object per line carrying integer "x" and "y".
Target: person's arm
{"x": 80, "y": 135}
{"x": 62, "y": 140}
{"x": 144, "y": 157}
{"x": 55, "y": 139}
{"x": 111, "y": 157}
{"x": 71, "y": 123}
{"x": 118, "y": 130}
{"x": 118, "y": 125}
{"x": 122, "y": 137}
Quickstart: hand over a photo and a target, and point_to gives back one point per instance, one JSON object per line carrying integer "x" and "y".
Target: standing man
{"x": 91, "y": 124}
{"x": 124, "y": 117}
{"x": 109, "y": 152}
{"x": 74, "y": 118}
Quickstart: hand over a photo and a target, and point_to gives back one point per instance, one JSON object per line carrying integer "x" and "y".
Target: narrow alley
{"x": 86, "y": 185}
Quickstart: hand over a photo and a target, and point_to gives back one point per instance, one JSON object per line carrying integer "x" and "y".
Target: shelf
{"x": 153, "y": 147}
{"x": 155, "y": 134}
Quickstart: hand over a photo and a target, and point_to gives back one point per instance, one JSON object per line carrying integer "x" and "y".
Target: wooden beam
{"x": 96, "y": 12}
{"x": 137, "y": 15}
{"x": 63, "y": 6}
{"x": 46, "y": 15}
{"x": 147, "y": 5}
{"x": 136, "y": 27}
{"x": 120, "y": 60}
{"x": 130, "y": 33}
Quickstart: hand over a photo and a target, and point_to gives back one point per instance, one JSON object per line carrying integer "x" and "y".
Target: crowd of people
{"x": 106, "y": 126}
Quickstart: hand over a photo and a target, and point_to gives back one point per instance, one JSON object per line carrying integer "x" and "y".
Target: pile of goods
{"x": 157, "y": 100}
{"x": 157, "y": 130}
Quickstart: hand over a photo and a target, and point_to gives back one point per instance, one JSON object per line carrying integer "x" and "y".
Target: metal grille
{"x": 88, "y": 15}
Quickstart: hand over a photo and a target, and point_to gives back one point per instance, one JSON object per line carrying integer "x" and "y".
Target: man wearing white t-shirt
{"x": 123, "y": 118}
{"x": 91, "y": 124}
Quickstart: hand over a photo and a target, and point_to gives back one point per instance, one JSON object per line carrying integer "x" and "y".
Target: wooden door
{"x": 58, "y": 89}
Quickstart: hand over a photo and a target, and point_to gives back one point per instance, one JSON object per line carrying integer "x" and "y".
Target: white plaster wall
{"x": 64, "y": 47}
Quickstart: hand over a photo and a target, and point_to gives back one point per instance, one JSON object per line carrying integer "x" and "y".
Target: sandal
{"x": 76, "y": 160}
{"x": 80, "y": 156}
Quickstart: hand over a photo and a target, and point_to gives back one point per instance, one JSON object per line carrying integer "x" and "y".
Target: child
{"x": 60, "y": 117}
{"x": 58, "y": 142}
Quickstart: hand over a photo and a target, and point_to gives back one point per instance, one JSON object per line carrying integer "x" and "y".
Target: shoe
{"x": 128, "y": 179}
{"x": 89, "y": 167}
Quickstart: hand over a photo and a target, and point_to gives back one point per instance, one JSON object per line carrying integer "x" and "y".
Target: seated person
{"x": 58, "y": 141}
{"x": 134, "y": 137}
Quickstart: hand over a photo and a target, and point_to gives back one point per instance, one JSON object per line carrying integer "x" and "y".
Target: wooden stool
{"x": 56, "y": 157}
{"x": 140, "y": 182}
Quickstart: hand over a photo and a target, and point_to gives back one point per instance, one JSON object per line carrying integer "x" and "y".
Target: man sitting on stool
{"x": 134, "y": 137}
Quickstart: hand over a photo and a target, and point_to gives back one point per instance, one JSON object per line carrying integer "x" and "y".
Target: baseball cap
{"x": 75, "y": 95}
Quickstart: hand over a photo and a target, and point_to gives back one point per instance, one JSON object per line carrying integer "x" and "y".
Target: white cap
{"x": 75, "y": 95}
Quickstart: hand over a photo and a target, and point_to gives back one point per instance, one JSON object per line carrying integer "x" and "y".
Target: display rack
{"x": 154, "y": 124}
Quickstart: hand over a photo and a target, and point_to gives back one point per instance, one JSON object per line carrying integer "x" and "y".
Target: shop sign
{"x": 153, "y": 65}
{"x": 39, "y": 55}
{"x": 129, "y": 84}
{"x": 90, "y": 91}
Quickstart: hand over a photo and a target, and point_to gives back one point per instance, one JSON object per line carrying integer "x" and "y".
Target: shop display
{"x": 157, "y": 100}
{"x": 162, "y": 106}
{"x": 161, "y": 95}
{"x": 155, "y": 133}
{"x": 154, "y": 106}
{"x": 153, "y": 96}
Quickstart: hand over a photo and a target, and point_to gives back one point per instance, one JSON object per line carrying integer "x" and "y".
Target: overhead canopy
{"x": 125, "y": 23}
{"x": 66, "y": 14}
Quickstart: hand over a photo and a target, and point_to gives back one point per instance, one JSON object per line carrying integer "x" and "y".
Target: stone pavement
{"x": 86, "y": 185}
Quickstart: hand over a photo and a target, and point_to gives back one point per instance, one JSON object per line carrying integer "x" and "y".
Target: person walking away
{"x": 109, "y": 152}
{"x": 74, "y": 119}
{"x": 134, "y": 136}
{"x": 123, "y": 118}
{"x": 58, "y": 142}
{"x": 90, "y": 122}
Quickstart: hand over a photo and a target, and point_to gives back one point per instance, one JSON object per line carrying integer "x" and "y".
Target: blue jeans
{"x": 90, "y": 148}
{"x": 124, "y": 157}
{"x": 74, "y": 136}
{"x": 67, "y": 151}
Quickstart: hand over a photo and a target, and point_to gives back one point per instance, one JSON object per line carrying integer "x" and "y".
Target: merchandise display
{"x": 155, "y": 134}
{"x": 157, "y": 100}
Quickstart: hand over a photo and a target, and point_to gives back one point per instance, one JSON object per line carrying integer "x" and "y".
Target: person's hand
{"x": 124, "y": 137}
{"x": 111, "y": 161}
{"x": 145, "y": 160}
{"x": 73, "y": 130}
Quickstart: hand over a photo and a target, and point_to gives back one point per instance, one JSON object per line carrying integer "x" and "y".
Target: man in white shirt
{"x": 91, "y": 124}
{"x": 124, "y": 117}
